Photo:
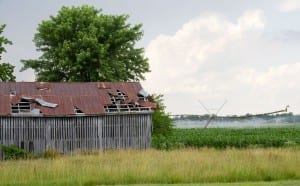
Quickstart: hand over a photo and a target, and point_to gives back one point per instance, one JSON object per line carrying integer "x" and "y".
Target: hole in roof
{"x": 77, "y": 111}
{"x": 42, "y": 86}
{"x": 142, "y": 95}
{"x": 121, "y": 103}
{"x": 23, "y": 106}
{"x": 13, "y": 92}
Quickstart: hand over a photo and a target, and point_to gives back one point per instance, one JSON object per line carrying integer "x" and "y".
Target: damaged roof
{"x": 60, "y": 99}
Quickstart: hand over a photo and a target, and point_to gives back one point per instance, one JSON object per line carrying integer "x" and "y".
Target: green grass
{"x": 272, "y": 183}
{"x": 212, "y": 157}
{"x": 180, "y": 166}
{"x": 225, "y": 137}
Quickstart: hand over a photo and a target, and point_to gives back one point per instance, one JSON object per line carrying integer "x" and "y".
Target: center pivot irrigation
{"x": 212, "y": 115}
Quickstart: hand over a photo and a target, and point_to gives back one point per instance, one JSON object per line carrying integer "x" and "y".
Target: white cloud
{"x": 289, "y": 5}
{"x": 212, "y": 59}
{"x": 180, "y": 58}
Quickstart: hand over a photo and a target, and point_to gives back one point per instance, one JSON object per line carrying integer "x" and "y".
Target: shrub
{"x": 162, "y": 123}
{"x": 13, "y": 152}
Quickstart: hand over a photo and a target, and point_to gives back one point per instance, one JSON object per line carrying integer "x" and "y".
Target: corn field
{"x": 226, "y": 137}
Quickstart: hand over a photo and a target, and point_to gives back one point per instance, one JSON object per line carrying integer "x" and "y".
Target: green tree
{"x": 162, "y": 123}
{"x": 82, "y": 44}
{"x": 6, "y": 69}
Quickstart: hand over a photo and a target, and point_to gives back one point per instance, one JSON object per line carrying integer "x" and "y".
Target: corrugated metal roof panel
{"x": 89, "y": 97}
{"x": 5, "y": 106}
{"x": 148, "y": 104}
{"x": 89, "y": 104}
{"x": 65, "y": 106}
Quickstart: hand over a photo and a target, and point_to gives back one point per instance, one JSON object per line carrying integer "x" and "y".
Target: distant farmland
{"x": 199, "y": 121}
{"x": 230, "y": 137}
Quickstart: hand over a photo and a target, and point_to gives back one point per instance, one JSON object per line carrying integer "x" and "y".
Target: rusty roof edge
{"x": 84, "y": 115}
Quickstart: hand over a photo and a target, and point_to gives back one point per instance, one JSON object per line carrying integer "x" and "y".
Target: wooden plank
{"x": 66, "y": 134}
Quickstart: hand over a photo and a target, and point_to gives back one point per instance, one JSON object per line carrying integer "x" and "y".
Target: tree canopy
{"x": 6, "y": 69}
{"x": 83, "y": 44}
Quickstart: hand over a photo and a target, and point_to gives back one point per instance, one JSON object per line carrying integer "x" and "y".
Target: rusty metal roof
{"x": 89, "y": 97}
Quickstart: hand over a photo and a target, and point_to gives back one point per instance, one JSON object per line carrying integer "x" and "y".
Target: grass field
{"x": 269, "y": 183}
{"x": 204, "y": 165}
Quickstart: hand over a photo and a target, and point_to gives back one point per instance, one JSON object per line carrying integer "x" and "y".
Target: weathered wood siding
{"x": 84, "y": 133}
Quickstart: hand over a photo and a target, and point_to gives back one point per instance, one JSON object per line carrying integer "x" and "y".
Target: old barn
{"x": 36, "y": 116}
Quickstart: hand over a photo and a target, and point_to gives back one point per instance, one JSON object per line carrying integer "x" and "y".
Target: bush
{"x": 13, "y": 152}
{"x": 162, "y": 123}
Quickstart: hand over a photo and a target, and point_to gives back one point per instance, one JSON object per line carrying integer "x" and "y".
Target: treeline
{"x": 286, "y": 117}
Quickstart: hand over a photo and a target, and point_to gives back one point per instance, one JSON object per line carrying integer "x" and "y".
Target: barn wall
{"x": 67, "y": 134}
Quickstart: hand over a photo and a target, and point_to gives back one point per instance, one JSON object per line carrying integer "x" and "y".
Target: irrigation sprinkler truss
{"x": 211, "y": 115}
{"x": 214, "y": 115}
{"x": 274, "y": 112}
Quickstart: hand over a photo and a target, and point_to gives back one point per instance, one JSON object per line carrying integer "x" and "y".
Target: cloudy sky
{"x": 246, "y": 52}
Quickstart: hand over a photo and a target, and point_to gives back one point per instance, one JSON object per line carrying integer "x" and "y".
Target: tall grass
{"x": 153, "y": 166}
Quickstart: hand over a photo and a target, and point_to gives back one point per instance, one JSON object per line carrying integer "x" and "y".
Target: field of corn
{"x": 229, "y": 137}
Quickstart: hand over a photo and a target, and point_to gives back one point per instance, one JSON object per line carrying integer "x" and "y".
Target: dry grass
{"x": 154, "y": 166}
